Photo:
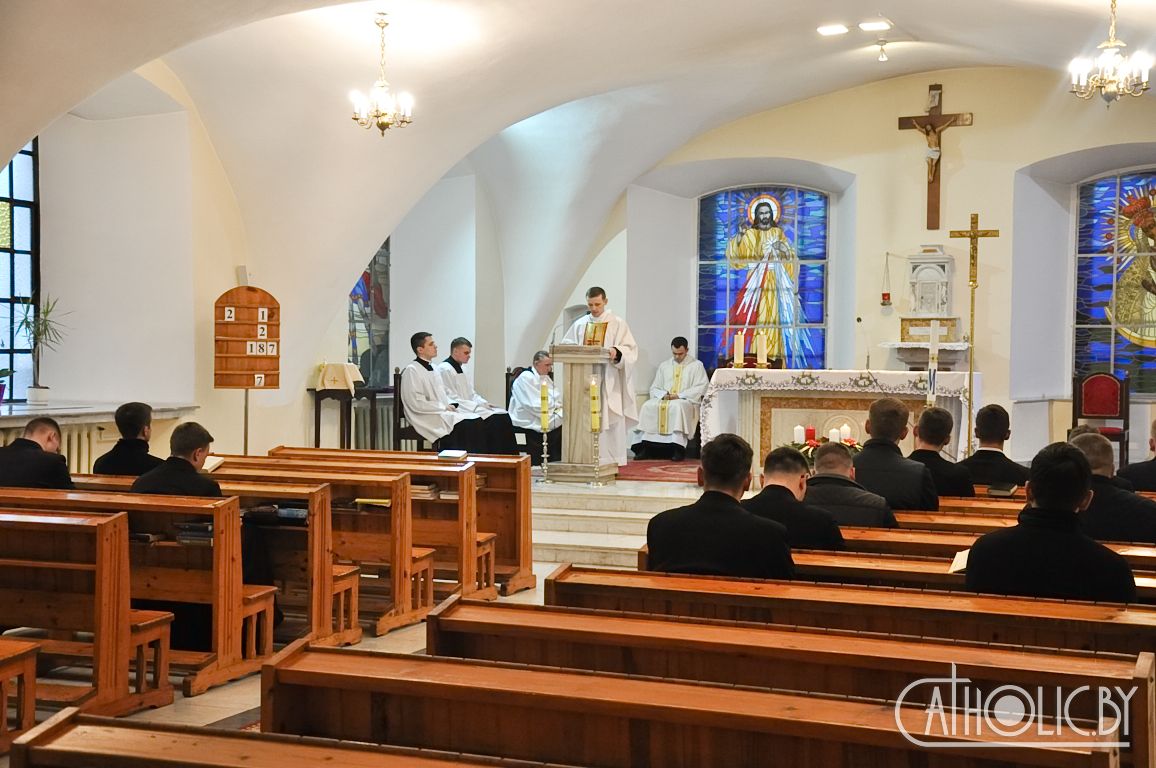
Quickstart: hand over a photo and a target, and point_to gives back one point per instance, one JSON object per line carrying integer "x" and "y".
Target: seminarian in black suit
{"x": 130, "y": 455}
{"x": 1142, "y": 474}
{"x": 34, "y": 461}
{"x": 180, "y": 474}
{"x": 880, "y": 466}
{"x": 1046, "y": 554}
{"x": 989, "y": 465}
{"x": 781, "y": 500}
{"x": 715, "y": 535}
{"x": 833, "y": 488}
{"x": 1114, "y": 514}
{"x": 932, "y": 433}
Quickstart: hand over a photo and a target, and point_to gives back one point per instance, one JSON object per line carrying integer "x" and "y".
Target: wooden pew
{"x": 449, "y": 526}
{"x": 535, "y": 713}
{"x": 17, "y": 685}
{"x": 74, "y": 740}
{"x": 69, "y": 572}
{"x": 302, "y": 557}
{"x": 791, "y": 658}
{"x": 503, "y": 503}
{"x": 951, "y": 615}
{"x": 170, "y": 571}
{"x": 396, "y": 583}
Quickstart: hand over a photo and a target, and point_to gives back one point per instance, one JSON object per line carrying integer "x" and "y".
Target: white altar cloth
{"x": 731, "y": 402}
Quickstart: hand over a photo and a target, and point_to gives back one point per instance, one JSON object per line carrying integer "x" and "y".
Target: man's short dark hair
{"x": 935, "y": 425}
{"x": 679, "y": 342}
{"x": 41, "y": 424}
{"x": 187, "y": 438}
{"x": 132, "y": 418}
{"x": 992, "y": 423}
{"x": 726, "y": 461}
{"x": 593, "y": 291}
{"x": 461, "y": 341}
{"x": 830, "y": 457}
{"x": 418, "y": 340}
{"x": 888, "y": 418}
{"x": 785, "y": 460}
{"x": 541, "y": 354}
{"x": 1060, "y": 476}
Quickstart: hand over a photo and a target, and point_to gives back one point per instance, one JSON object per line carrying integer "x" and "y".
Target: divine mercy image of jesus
{"x": 769, "y": 296}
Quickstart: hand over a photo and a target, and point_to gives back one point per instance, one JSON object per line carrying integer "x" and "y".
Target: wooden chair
{"x": 402, "y": 429}
{"x": 511, "y": 375}
{"x": 17, "y": 684}
{"x": 1103, "y": 396}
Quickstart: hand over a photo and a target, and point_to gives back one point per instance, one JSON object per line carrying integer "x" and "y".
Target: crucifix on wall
{"x": 932, "y": 125}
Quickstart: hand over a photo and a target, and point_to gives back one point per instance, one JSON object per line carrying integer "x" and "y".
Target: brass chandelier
{"x": 381, "y": 109}
{"x": 1112, "y": 74}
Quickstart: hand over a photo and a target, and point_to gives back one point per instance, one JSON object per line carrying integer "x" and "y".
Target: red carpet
{"x": 666, "y": 471}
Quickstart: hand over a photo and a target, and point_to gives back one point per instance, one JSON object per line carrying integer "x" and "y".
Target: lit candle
{"x": 809, "y": 433}
{"x": 845, "y": 432}
{"x": 595, "y": 407}
{"x": 799, "y": 434}
{"x": 740, "y": 348}
{"x": 833, "y": 435}
{"x": 545, "y": 407}
{"x": 761, "y": 348}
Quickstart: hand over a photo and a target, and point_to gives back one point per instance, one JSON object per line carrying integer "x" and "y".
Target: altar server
{"x": 602, "y": 328}
{"x": 499, "y": 432}
{"x": 533, "y": 387}
{"x": 669, "y": 418}
{"x": 428, "y": 406}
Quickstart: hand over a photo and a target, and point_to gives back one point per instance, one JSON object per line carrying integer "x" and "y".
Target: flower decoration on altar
{"x": 749, "y": 380}
{"x": 806, "y": 379}
{"x": 809, "y": 447}
{"x": 864, "y": 381}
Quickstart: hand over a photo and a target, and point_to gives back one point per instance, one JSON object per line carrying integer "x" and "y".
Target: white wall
{"x": 116, "y": 250}
{"x": 489, "y": 361}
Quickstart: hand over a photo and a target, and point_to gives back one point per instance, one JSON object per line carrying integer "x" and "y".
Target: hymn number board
{"x": 247, "y": 340}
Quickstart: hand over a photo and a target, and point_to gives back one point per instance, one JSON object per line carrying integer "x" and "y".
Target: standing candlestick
{"x": 545, "y": 401}
{"x": 545, "y": 424}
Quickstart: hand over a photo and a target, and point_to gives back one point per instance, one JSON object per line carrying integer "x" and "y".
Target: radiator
{"x": 79, "y": 442}
{"x": 384, "y": 423}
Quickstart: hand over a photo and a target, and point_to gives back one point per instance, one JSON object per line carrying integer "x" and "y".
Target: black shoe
{"x": 679, "y": 454}
{"x": 639, "y": 451}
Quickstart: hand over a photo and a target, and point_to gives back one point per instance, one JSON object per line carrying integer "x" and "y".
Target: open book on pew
{"x": 212, "y": 462}
{"x": 959, "y": 562}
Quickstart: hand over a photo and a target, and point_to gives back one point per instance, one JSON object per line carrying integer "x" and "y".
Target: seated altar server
{"x": 932, "y": 433}
{"x": 130, "y": 455}
{"x": 428, "y": 406}
{"x": 603, "y": 328}
{"x": 526, "y": 408}
{"x": 499, "y": 432}
{"x": 668, "y": 419}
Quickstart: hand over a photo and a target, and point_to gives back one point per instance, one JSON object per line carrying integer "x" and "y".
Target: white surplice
{"x": 619, "y": 411}
{"x": 688, "y": 380}
{"x": 526, "y": 401}
{"x": 461, "y": 390}
{"x": 427, "y": 404}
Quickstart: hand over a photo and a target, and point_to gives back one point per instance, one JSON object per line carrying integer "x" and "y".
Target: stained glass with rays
{"x": 19, "y": 265}
{"x": 1115, "y": 285}
{"x": 768, "y": 275}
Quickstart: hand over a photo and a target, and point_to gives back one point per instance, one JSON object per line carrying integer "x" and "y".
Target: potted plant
{"x": 45, "y": 331}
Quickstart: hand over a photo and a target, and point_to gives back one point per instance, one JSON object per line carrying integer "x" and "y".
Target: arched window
{"x": 1115, "y": 303}
{"x": 19, "y": 265}
{"x": 762, "y": 267}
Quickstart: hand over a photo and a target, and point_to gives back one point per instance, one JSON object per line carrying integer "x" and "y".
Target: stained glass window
{"x": 763, "y": 268}
{"x": 1115, "y": 296}
{"x": 369, "y": 321}
{"x": 19, "y": 266}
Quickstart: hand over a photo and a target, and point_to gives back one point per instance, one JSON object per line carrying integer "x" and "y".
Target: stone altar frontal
{"x": 764, "y": 405}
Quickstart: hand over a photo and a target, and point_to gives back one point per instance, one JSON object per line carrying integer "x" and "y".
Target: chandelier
{"x": 1112, "y": 74}
{"x": 381, "y": 109}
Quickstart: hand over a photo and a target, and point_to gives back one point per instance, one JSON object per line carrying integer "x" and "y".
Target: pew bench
{"x": 858, "y": 664}
{"x": 73, "y": 740}
{"x": 17, "y": 685}
{"x": 556, "y": 715}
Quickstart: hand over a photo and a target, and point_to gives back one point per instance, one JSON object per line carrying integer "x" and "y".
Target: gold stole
{"x": 595, "y": 335}
{"x": 664, "y": 406}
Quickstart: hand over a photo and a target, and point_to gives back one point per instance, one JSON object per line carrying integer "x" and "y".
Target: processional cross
{"x": 932, "y": 125}
{"x": 973, "y": 234}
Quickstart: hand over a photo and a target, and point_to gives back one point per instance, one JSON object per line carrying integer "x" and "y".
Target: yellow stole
{"x": 664, "y": 406}
{"x": 595, "y": 335}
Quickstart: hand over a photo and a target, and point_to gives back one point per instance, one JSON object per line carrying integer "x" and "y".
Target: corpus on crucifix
{"x": 932, "y": 125}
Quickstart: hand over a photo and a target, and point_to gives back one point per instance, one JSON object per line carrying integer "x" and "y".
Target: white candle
{"x": 800, "y": 434}
{"x": 833, "y": 435}
{"x": 740, "y": 349}
{"x": 761, "y": 348}
{"x": 845, "y": 432}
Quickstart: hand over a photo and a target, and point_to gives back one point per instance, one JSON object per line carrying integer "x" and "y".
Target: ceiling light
{"x": 381, "y": 109}
{"x": 1111, "y": 74}
{"x": 877, "y": 25}
{"x": 832, "y": 29}
{"x": 882, "y": 50}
